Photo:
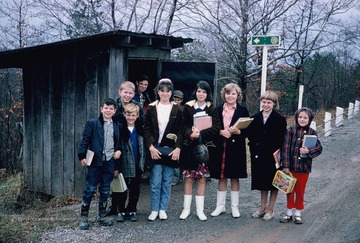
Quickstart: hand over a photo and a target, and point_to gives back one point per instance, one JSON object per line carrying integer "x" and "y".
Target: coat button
{"x": 256, "y": 156}
{"x": 233, "y": 140}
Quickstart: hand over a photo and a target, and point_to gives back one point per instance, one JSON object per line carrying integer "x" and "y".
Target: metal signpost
{"x": 264, "y": 41}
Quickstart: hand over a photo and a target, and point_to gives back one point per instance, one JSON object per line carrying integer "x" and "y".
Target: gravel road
{"x": 332, "y": 208}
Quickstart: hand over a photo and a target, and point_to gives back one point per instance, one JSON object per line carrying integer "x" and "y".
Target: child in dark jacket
{"x": 299, "y": 167}
{"x": 131, "y": 164}
{"x": 100, "y": 136}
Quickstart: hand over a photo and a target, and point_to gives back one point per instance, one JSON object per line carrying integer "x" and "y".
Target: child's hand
{"x": 175, "y": 154}
{"x": 155, "y": 154}
{"x": 304, "y": 150}
{"x": 225, "y": 133}
{"x": 116, "y": 173}
{"x": 286, "y": 170}
{"x": 83, "y": 162}
{"x": 117, "y": 154}
{"x": 195, "y": 133}
{"x": 234, "y": 130}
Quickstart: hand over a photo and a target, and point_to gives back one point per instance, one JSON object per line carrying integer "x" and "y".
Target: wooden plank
{"x": 70, "y": 152}
{"x": 37, "y": 138}
{"x": 46, "y": 111}
{"x": 102, "y": 80}
{"x": 117, "y": 70}
{"x": 57, "y": 162}
{"x": 28, "y": 124}
{"x": 80, "y": 119}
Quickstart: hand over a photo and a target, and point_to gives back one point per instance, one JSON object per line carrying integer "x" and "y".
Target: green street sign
{"x": 264, "y": 40}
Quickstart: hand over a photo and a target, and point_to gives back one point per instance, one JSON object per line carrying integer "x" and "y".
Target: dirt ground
{"x": 331, "y": 208}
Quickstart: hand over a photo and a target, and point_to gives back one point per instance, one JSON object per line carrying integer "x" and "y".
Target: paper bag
{"x": 118, "y": 184}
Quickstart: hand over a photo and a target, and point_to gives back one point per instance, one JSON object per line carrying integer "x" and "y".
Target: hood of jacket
{"x": 308, "y": 111}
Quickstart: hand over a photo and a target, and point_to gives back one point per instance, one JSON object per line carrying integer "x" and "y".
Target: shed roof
{"x": 118, "y": 38}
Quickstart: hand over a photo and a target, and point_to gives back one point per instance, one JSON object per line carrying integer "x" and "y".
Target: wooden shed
{"x": 64, "y": 84}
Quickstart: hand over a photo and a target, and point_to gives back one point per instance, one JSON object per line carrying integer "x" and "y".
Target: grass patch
{"x": 25, "y": 215}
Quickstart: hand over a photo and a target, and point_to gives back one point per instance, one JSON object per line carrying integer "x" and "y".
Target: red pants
{"x": 299, "y": 189}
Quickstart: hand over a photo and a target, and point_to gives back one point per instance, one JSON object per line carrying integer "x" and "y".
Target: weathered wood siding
{"x": 62, "y": 94}
{"x": 64, "y": 85}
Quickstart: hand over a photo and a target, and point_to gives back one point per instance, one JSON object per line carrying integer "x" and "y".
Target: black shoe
{"x": 105, "y": 221}
{"x": 84, "y": 224}
{"x": 120, "y": 217}
{"x": 133, "y": 217}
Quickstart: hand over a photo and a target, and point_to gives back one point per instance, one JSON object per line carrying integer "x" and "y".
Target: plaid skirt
{"x": 201, "y": 172}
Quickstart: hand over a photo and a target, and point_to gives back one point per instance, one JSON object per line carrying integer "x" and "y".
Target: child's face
{"x": 107, "y": 111}
{"x": 126, "y": 95}
{"x": 178, "y": 100}
{"x": 231, "y": 97}
{"x": 164, "y": 94}
{"x": 303, "y": 119}
{"x": 267, "y": 105}
{"x": 142, "y": 85}
{"x": 131, "y": 118}
{"x": 201, "y": 95}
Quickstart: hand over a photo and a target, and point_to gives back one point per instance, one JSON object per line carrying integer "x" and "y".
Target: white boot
{"x": 235, "y": 203}
{"x": 187, "y": 204}
{"x": 200, "y": 207}
{"x": 220, "y": 204}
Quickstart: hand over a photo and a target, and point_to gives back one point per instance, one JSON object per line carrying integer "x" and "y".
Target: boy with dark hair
{"x": 101, "y": 136}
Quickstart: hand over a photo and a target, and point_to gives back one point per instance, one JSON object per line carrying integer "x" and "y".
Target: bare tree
{"x": 20, "y": 25}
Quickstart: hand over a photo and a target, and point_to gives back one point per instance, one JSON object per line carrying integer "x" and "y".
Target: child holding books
{"x": 293, "y": 162}
{"x": 132, "y": 162}
{"x": 101, "y": 135}
{"x": 195, "y": 170}
{"x": 230, "y": 165}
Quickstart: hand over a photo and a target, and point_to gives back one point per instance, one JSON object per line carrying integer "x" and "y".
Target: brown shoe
{"x": 286, "y": 219}
{"x": 298, "y": 220}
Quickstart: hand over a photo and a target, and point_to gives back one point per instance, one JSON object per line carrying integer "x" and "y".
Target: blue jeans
{"x": 101, "y": 176}
{"x": 160, "y": 186}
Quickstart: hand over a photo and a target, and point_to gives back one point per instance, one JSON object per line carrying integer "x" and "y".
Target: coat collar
{"x": 156, "y": 102}
{"x": 191, "y": 103}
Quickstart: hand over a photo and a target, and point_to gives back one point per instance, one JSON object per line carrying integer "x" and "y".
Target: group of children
{"x": 123, "y": 139}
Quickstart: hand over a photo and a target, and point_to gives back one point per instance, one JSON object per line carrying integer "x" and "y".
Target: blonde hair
{"x": 227, "y": 89}
{"x": 131, "y": 108}
{"x": 127, "y": 84}
{"x": 271, "y": 95}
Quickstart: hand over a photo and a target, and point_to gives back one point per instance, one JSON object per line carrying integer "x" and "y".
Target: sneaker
{"x": 133, "y": 217}
{"x": 153, "y": 215}
{"x": 120, "y": 217}
{"x": 286, "y": 219}
{"x": 162, "y": 215}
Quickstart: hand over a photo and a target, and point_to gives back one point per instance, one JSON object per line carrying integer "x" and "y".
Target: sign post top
{"x": 264, "y": 40}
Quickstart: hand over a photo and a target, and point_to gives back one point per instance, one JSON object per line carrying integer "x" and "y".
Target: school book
{"x": 202, "y": 121}
{"x": 89, "y": 157}
{"x": 243, "y": 122}
{"x": 276, "y": 155}
{"x": 309, "y": 141}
